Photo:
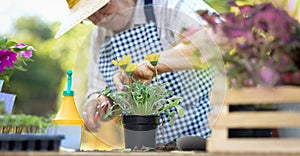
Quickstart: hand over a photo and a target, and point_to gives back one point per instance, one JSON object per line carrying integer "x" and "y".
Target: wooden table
{"x": 173, "y": 153}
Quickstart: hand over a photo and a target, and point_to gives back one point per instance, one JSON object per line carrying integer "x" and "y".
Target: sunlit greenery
{"x": 22, "y": 123}
{"x": 39, "y": 89}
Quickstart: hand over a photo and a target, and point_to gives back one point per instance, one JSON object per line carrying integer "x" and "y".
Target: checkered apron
{"x": 192, "y": 85}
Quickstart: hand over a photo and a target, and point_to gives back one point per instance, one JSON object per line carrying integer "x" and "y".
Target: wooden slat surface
{"x": 258, "y": 120}
{"x": 251, "y": 95}
{"x": 219, "y": 134}
{"x": 278, "y": 95}
{"x": 256, "y": 145}
{"x": 140, "y": 154}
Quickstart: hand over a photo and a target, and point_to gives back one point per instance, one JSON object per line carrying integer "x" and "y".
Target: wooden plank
{"x": 219, "y": 134}
{"x": 258, "y": 120}
{"x": 173, "y": 153}
{"x": 256, "y": 145}
{"x": 216, "y": 113}
{"x": 254, "y": 95}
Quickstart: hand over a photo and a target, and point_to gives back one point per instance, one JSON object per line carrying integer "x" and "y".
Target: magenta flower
{"x": 7, "y": 59}
{"x": 13, "y": 56}
{"x": 20, "y": 45}
{"x": 258, "y": 36}
{"x": 26, "y": 54}
{"x": 268, "y": 75}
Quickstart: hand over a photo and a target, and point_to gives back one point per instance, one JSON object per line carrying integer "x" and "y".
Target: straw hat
{"x": 79, "y": 10}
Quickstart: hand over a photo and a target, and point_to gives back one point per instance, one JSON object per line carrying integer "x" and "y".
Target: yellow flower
{"x": 122, "y": 62}
{"x": 131, "y": 68}
{"x": 153, "y": 58}
{"x": 241, "y": 40}
{"x": 232, "y": 51}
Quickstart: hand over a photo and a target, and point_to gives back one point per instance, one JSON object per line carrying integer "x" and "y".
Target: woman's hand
{"x": 93, "y": 110}
{"x": 144, "y": 73}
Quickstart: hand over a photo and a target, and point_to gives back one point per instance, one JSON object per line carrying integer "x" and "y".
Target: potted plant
{"x": 141, "y": 105}
{"x": 20, "y": 131}
{"x": 13, "y": 55}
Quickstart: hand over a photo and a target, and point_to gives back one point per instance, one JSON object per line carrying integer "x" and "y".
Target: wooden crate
{"x": 219, "y": 141}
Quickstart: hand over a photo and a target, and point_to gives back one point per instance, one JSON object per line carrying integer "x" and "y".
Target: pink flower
{"x": 268, "y": 75}
{"x": 296, "y": 77}
{"x": 7, "y": 59}
{"x": 20, "y": 45}
{"x": 26, "y": 54}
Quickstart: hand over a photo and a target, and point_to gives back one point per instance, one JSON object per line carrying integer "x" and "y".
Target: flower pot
{"x": 140, "y": 130}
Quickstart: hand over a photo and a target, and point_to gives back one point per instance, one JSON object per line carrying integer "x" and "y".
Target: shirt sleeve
{"x": 185, "y": 15}
{"x": 96, "y": 81}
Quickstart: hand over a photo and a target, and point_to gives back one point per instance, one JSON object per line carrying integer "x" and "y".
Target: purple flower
{"x": 26, "y": 54}
{"x": 274, "y": 21}
{"x": 268, "y": 75}
{"x": 20, "y": 45}
{"x": 261, "y": 35}
{"x": 7, "y": 59}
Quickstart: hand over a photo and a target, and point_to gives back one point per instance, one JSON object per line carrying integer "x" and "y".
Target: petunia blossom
{"x": 268, "y": 75}
{"x": 7, "y": 59}
{"x": 20, "y": 45}
{"x": 26, "y": 54}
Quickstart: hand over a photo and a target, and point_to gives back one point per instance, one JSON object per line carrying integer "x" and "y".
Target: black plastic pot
{"x": 140, "y": 130}
{"x": 30, "y": 142}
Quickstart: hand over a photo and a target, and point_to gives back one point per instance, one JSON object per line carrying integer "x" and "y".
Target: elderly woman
{"x": 138, "y": 28}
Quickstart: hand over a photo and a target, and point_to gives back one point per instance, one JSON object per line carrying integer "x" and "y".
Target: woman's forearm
{"x": 183, "y": 56}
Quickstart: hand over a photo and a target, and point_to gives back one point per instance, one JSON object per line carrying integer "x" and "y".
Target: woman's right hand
{"x": 145, "y": 73}
{"x": 93, "y": 111}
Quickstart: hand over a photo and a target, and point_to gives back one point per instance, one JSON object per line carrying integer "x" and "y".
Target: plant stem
{"x": 156, "y": 75}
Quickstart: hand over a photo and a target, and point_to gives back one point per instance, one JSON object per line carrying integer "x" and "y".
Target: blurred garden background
{"x": 35, "y": 22}
{"x": 39, "y": 89}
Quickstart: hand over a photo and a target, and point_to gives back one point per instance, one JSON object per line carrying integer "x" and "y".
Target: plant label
{"x": 9, "y": 100}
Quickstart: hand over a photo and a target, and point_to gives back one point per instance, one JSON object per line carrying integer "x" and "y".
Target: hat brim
{"x": 82, "y": 10}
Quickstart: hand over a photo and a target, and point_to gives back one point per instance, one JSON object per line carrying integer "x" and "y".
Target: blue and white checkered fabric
{"x": 192, "y": 85}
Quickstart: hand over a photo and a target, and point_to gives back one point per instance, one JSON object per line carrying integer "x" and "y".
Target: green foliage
{"x": 22, "y": 123}
{"x": 144, "y": 99}
{"x": 2, "y": 108}
{"x": 38, "y": 90}
{"x": 34, "y": 26}
{"x": 219, "y": 5}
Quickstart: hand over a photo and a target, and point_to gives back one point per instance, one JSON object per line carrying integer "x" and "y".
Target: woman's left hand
{"x": 144, "y": 73}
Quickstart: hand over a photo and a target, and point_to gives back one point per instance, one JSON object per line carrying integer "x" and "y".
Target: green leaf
{"x": 180, "y": 111}
{"x": 3, "y": 41}
{"x": 106, "y": 91}
{"x": 172, "y": 118}
{"x": 10, "y": 44}
{"x": 19, "y": 67}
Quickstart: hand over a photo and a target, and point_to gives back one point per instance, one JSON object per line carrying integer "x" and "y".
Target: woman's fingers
{"x": 93, "y": 110}
{"x": 88, "y": 115}
{"x": 119, "y": 80}
{"x": 145, "y": 72}
{"x": 101, "y": 110}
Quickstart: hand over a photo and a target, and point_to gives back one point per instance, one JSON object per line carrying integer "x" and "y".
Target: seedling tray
{"x": 30, "y": 142}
